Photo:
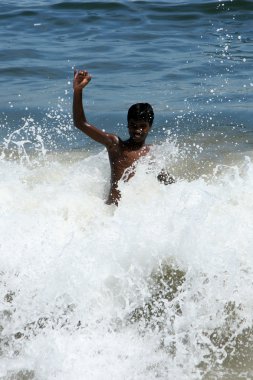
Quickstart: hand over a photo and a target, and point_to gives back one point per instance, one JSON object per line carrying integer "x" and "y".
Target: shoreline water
{"x": 71, "y": 266}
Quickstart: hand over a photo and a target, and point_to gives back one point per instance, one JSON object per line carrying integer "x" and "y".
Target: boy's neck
{"x": 135, "y": 144}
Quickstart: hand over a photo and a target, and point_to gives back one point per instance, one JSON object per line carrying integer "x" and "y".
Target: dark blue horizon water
{"x": 192, "y": 60}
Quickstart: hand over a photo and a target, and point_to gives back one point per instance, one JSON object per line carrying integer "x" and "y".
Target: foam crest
{"x": 142, "y": 286}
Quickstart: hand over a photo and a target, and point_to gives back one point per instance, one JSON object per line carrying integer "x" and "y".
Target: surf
{"x": 164, "y": 275}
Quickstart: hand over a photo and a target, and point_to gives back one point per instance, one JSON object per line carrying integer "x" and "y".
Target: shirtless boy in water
{"x": 122, "y": 154}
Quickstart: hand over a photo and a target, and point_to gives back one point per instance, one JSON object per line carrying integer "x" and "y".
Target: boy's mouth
{"x": 137, "y": 134}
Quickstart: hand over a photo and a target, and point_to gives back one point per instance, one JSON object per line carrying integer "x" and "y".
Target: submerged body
{"x": 122, "y": 154}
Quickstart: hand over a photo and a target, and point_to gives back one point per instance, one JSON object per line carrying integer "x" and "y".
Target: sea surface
{"x": 161, "y": 286}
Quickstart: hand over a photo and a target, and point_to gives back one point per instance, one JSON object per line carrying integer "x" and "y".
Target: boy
{"x": 122, "y": 154}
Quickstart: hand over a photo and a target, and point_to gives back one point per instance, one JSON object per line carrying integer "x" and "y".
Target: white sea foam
{"x": 75, "y": 271}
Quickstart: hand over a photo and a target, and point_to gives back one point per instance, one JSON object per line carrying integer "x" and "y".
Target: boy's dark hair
{"x": 141, "y": 111}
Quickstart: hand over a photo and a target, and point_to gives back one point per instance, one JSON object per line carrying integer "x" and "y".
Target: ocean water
{"x": 161, "y": 286}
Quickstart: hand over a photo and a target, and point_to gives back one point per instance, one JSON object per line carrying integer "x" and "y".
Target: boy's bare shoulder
{"x": 116, "y": 144}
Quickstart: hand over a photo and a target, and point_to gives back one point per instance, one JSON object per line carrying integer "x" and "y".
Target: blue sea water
{"x": 159, "y": 287}
{"x": 189, "y": 59}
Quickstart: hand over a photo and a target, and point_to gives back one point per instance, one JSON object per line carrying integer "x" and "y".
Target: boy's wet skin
{"x": 122, "y": 154}
{"x": 122, "y": 157}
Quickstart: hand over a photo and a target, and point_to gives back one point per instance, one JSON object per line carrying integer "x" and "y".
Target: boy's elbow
{"x": 80, "y": 124}
{"x": 77, "y": 123}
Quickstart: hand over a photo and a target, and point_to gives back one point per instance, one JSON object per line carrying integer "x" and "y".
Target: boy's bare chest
{"x": 125, "y": 158}
{"x": 128, "y": 156}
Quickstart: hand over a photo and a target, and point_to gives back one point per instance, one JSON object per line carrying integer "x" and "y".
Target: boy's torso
{"x": 122, "y": 160}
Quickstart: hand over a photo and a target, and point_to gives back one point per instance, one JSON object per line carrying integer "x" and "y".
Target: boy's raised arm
{"x": 81, "y": 80}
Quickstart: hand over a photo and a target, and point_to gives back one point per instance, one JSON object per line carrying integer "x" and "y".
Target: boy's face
{"x": 138, "y": 129}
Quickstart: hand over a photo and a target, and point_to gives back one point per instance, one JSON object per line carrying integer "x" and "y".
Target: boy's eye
{"x": 137, "y": 126}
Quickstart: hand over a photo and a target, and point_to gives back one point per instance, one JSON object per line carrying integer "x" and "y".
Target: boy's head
{"x": 140, "y": 118}
{"x": 141, "y": 111}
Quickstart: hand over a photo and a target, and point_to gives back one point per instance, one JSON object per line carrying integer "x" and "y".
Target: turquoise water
{"x": 160, "y": 287}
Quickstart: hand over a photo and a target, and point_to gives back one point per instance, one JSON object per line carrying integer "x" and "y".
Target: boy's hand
{"x": 165, "y": 178}
{"x": 81, "y": 79}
